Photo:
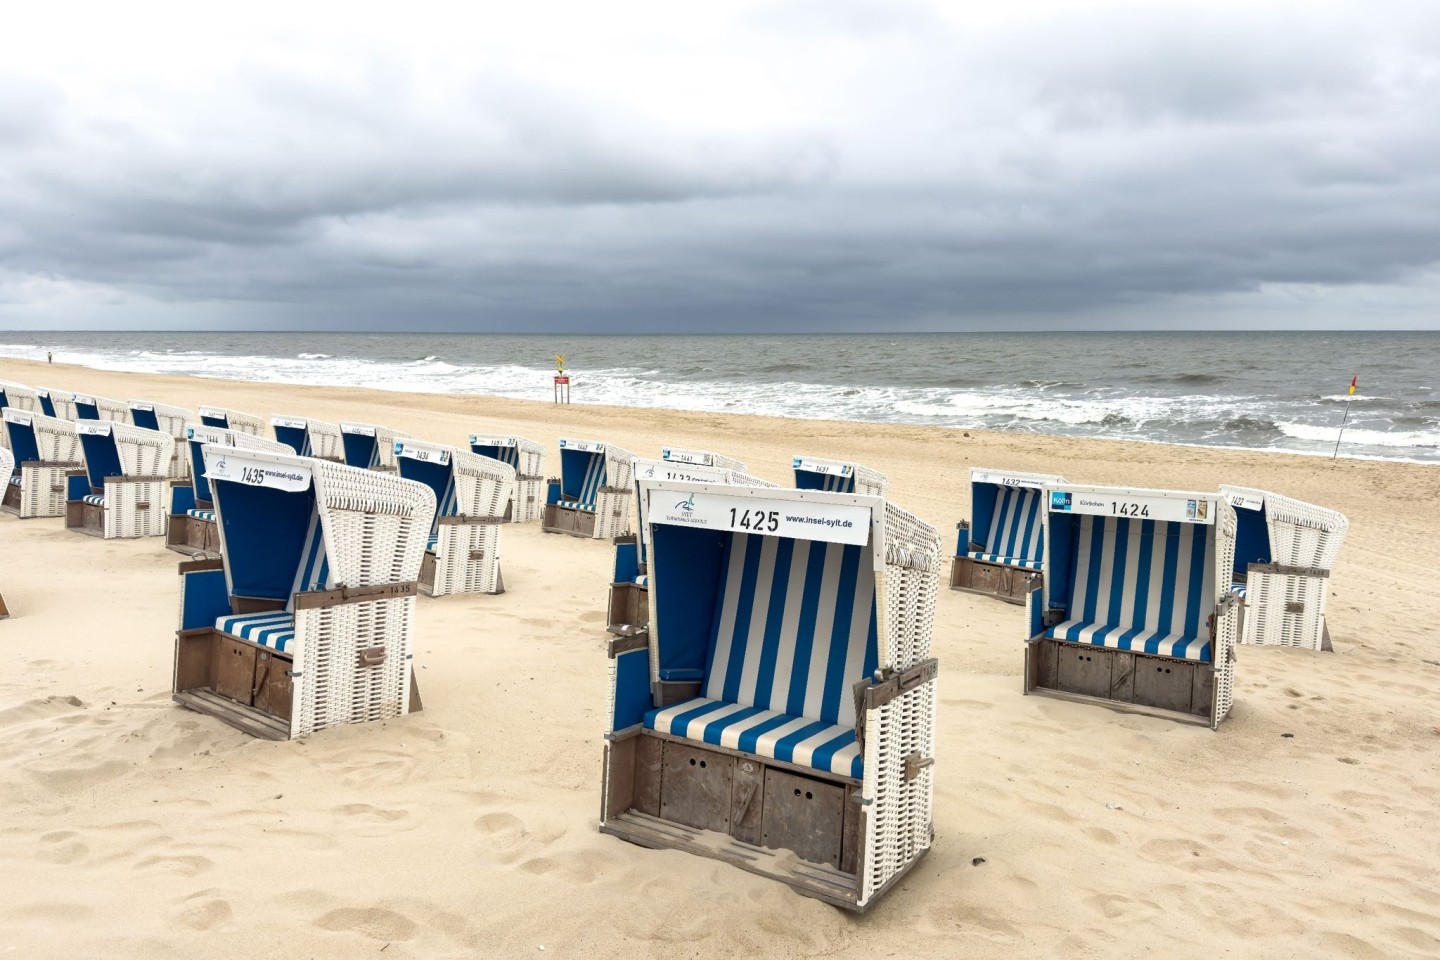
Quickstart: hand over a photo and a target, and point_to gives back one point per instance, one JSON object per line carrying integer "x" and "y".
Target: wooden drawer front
{"x": 273, "y": 684}
{"x": 235, "y": 670}
{"x": 803, "y": 815}
{"x": 1084, "y": 669}
{"x": 695, "y": 787}
{"x": 1168, "y": 684}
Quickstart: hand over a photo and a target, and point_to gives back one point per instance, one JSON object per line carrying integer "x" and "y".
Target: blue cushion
{"x": 827, "y": 747}
{"x": 207, "y": 515}
{"x": 1006, "y": 560}
{"x": 95, "y": 498}
{"x": 274, "y": 629}
{"x": 1141, "y": 585}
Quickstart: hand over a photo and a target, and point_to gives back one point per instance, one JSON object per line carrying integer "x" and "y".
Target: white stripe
{"x": 667, "y": 716}
{"x": 765, "y": 744}
{"x": 844, "y": 759}
{"x": 731, "y": 737}
{"x": 824, "y": 628}
{"x": 1182, "y": 579}
{"x": 806, "y": 748}
{"x": 725, "y": 632}
{"x": 790, "y": 623}
{"x": 1132, "y": 577}
{"x": 859, "y": 635}
{"x": 701, "y": 724}
{"x": 759, "y": 611}
{"x": 1081, "y": 577}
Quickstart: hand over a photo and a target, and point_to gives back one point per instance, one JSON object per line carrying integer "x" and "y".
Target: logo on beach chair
{"x": 686, "y": 506}
{"x": 1059, "y": 500}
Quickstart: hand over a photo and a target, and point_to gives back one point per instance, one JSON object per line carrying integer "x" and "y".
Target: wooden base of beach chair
{"x": 43, "y": 491}
{"x": 87, "y": 518}
{"x": 629, "y": 609}
{"x": 1011, "y": 584}
{"x": 1180, "y": 690}
{"x": 240, "y": 683}
{"x": 10, "y": 500}
{"x": 192, "y": 536}
{"x": 781, "y": 821}
{"x": 568, "y": 520}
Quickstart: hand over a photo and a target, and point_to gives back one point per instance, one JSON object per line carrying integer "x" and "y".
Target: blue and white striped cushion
{"x": 95, "y": 498}
{"x": 430, "y": 544}
{"x": 795, "y": 627}
{"x": 1015, "y": 536}
{"x": 1008, "y": 561}
{"x": 274, "y": 629}
{"x": 836, "y": 483}
{"x": 1142, "y": 585}
{"x": 313, "y": 573}
{"x": 594, "y": 480}
{"x": 206, "y": 515}
{"x": 642, "y": 581}
{"x": 577, "y": 505}
{"x": 15, "y": 481}
{"x": 1238, "y": 589}
{"x": 810, "y": 743}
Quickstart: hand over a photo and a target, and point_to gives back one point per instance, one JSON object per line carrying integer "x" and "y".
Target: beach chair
{"x": 370, "y": 447}
{"x": 591, "y": 497}
{"x": 1284, "y": 549}
{"x": 310, "y": 438}
{"x": 191, "y": 528}
{"x": 232, "y": 420}
{"x": 121, "y": 491}
{"x": 462, "y": 552}
{"x": 90, "y": 407}
{"x": 306, "y": 621}
{"x": 21, "y": 398}
{"x": 46, "y": 449}
{"x": 838, "y": 476}
{"x": 167, "y": 419}
{"x": 1000, "y": 550}
{"x": 7, "y": 470}
{"x": 528, "y": 459}
{"x": 59, "y": 404}
{"x": 629, "y": 606}
{"x": 1135, "y": 612}
{"x": 780, "y": 713}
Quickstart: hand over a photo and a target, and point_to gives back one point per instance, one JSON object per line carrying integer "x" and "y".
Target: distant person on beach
{"x": 49, "y": 357}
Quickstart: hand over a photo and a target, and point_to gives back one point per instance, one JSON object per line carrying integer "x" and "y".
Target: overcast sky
{"x": 675, "y": 166}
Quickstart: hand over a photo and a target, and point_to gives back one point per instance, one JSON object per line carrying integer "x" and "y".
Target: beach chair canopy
{"x": 583, "y": 472}
{"x": 1271, "y": 528}
{"x": 90, "y": 407}
{"x": 1006, "y": 522}
{"x": 526, "y": 456}
{"x": 1137, "y": 570}
{"x": 767, "y": 598}
{"x": 700, "y": 458}
{"x": 464, "y": 484}
{"x": 231, "y": 420}
{"x": 19, "y": 396}
{"x": 368, "y": 446}
{"x": 57, "y": 403}
{"x": 309, "y": 437}
{"x": 115, "y": 449}
{"x": 198, "y": 437}
{"x": 160, "y": 416}
{"x": 35, "y": 437}
{"x": 690, "y": 469}
{"x": 836, "y": 476}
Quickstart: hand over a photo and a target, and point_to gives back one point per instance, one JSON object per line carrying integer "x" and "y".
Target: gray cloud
{"x": 811, "y": 166}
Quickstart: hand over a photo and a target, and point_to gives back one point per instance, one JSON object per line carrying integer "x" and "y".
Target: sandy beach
{"x": 135, "y": 828}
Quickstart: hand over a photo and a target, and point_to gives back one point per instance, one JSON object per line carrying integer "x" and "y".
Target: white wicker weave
{"x": 1285, "y": 600}
{"x": 19, "y": 397}
{"x": 385, "y": 438}
{"x": 61, "y": 401}
{"x": 172, "y": 420}
{"x": 897, "y": 730}
{"x": 467, "y": 529}
{"x": 42, "y": 482}
{"x": 113, "y": 410}
{"x": 134, "y": 501}
{"x": 528, "y": 504}
{"x": 374, "y": 527}
{"x": 323, "y": 439}
{"x": 234, "y": 420}
{"x": 868, "y": 482}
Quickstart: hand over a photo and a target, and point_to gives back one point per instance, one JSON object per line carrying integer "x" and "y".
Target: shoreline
{"x": 470, "y": 828}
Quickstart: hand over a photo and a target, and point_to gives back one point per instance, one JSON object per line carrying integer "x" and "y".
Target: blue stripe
{"x": 743, "y": 614}
{"x": 1015, "y": 504}
{"x": 751, "y": 737}
{"x": 1092, "y": 573}
{"x": 835, "y": 680}
{"x": 805, "y": 636}
{"x": 1167, "y": 579}
{"x": 681, "y": 724}
{"x": 1142, "y": 584}
{"x": 825, "y": 753}
{"x": 1197, "y": 581}
{"x": 774, "y": 620}
{"x": 715, "y": 729}
{"x": 1117, "y": 580}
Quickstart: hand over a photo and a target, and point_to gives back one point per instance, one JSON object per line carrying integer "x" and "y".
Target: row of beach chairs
{"x": 772, "y": 694}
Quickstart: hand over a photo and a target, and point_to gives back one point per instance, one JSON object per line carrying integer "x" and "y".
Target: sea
{"x": 1272, "y": 391}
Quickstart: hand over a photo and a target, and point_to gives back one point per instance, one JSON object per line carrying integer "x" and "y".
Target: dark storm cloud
{"x": 875, "y": 164}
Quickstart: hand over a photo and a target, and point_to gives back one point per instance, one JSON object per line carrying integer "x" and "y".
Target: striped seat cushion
{"x": 577, "y": 505}
{"x": 274, "y": 629}
{"x": 1238, "y": 589}
{"x": 206, "y": 515}
{"x": 1141, "y": 585}
{"x": 430, "y": 544}
{"x": 15, "y": 481}
{"x": 1015, "y": 535}
{"x": 1008, "y": 561}
{"x": 835, "y": 483}
{"x": 642, "y": 581}
{"x": 827, "y": 747}
{"x": 95, "y": 498}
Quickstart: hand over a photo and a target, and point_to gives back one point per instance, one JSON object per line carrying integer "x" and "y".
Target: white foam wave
{"x": 1359, "y": 436}
{"x": 316, "y": 356}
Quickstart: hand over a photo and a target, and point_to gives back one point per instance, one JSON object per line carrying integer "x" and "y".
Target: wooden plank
{"x": 246, "y": 719}
{"x": 1136, "y": 708}
{"x": 319, "y": 599}
{"x": 804, "y": 815}
{"x": 747, "y": 801}
{"x": 1122, "y": 677}
{"x": 1166, "y": 684}
{"x": 1084, "y": 669}
{"x": 695, "y": 787}
{"x": 649, "y": 752}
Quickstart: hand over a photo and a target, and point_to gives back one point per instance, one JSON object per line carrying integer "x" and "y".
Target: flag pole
{"x": 1348, "y": 401}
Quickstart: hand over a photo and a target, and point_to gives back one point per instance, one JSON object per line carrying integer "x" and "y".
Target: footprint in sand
{"x": 376, "y": 923}
{"x": 191, "y": 866}
{"x": 367, "y": 812}
{"x": 204, "y": 910}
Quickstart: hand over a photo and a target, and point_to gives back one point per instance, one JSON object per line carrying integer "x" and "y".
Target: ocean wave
{"x": 1415, "y": 439}
{"x": 316, "y": 356}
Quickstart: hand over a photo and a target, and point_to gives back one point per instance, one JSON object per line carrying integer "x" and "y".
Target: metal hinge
{"x": 914, "y": 763}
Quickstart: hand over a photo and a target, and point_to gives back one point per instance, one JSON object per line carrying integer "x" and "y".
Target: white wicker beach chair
{"x": 369, "y": 446}
{"x": 90, "y": 407}
{"x": 462, "y": 553}
{"x": 310, "y": 438}
{"x": 591, "y": 497}
{"x": 629, "y": 606}
{"x": 780, "y": 713}
{"x": 1136, "y": 612}
{"x": 192, "y": 529}
{"x": 812, "y": 473}
{"x": 1284, "y": 550}
{"x": 59, "y": 404}
{"x": 232, "y": 420}
{"x": 19, "y": 397}
{"x": 46, "y": 450}
{"x": 1000, "y": 550}
{"x": 167, "y": 419}
{"x": 528, "y": 459}
{"x": 121, "y": 491}
{"x": 308, "y": 619}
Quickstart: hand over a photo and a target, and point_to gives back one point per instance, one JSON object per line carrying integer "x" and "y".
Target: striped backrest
{"x": 510, "y": 455}
{"x": 1015, "y": 529}
{"x": 795, "y": 626}
{"x": 1157, "y": 576}
{"x": 313, "y": 571}
{"x": 582, "y": 474}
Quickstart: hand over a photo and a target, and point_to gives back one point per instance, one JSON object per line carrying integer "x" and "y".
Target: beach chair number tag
{"x": 417, "y": 451}
{"x": 1122, "y": 509}
{"x": 257, "y": 473}
{"x": 756, "y": 521}
{"x": 1172, "y": 509}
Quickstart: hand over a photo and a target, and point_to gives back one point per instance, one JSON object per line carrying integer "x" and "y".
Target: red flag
{"x": 1354, "y": 381}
